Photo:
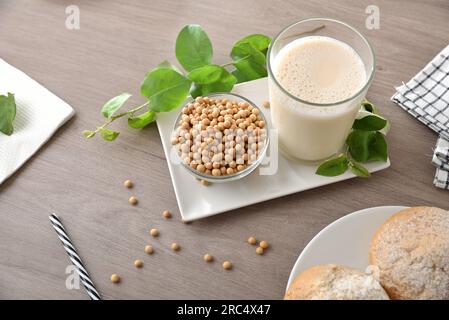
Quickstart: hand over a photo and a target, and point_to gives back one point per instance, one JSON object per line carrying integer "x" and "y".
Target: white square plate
{"x": 196, "y": 201}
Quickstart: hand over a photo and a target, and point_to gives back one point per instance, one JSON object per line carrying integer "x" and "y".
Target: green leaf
{"x": 196, "y": 90}
{"x": 378, "y": 148}
{"x": 167, "y": 64}
{"x": 259, "y": 42}
{"x": 193, "y": 47}
{"x": 249, "y": 70}
{"x": 370, "y": 123}
{"x": 358, "y": 142}
{"x": 109, "y": 135}
{"x": 249, "y": 55}
{"x": 368, "y": 106}
{"x": 242, "y": 50}
{"x": 239, "y": 76}
{"x": 142, "y": 120}
{"x": 209, "y": 79}
{"x": 206, "y": 74}
{"x": 165, "y": 88}
{"x": 89, "y": 134}
{"x": 367, "y": 145}
{"x": 359, "y": 170}
{"x": 333, "y": 167}
{"x": 114, "y": 104}
{"x": 7, "y": 113}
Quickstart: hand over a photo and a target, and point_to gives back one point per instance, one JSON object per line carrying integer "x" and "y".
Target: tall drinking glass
{"x": 311, "y": 130}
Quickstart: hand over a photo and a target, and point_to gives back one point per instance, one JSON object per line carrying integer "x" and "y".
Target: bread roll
{"x": 411, "y": 250}
{"x": 334, "y": 282}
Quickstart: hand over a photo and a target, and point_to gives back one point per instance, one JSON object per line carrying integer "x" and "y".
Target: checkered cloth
{"x": 426, "y": 97}
{"x": 441, "y": 160}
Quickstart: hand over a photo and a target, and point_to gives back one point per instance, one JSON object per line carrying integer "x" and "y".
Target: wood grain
{"x": 82, "y": 181}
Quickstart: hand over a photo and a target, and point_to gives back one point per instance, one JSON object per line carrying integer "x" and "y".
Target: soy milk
{"x": 317, "y": 70}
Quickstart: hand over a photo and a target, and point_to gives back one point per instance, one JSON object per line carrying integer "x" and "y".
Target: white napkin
{"x": 426, "y": 97}
{"x": 39, "y": 114}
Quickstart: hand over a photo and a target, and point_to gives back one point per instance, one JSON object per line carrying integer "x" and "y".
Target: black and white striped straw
{"x": 74, "y": 257}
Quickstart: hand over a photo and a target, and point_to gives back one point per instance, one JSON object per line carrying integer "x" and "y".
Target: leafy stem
{"x": 166, "y": 87}
{"x": 235, "y": 62}
{"x": 356, "y": 168}
{"x": 130, "y": 112}
{"x": 365, "y": 143}
{"x": 103, "y": 128}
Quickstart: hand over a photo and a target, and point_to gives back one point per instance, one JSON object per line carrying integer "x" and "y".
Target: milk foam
{"x": 319, "y": 69}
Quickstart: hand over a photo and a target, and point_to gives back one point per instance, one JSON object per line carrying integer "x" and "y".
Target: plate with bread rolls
{"x": 380, "y": 253}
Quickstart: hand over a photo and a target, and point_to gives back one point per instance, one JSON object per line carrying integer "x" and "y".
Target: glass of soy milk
{"x": 319, "y": 72}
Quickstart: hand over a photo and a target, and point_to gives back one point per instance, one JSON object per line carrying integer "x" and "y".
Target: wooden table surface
{"x": 82, "y": 180}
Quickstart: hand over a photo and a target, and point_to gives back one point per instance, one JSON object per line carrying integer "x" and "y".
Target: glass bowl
{"x": 237, "y": 175}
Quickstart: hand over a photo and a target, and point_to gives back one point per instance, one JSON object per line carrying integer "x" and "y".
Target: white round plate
{"x": 345, "y": 241}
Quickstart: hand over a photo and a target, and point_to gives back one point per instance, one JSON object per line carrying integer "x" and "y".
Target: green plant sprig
{"x": 166, "y": 87}
{"x": 7, "y": 113}
{"x": 365, "y": 143}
